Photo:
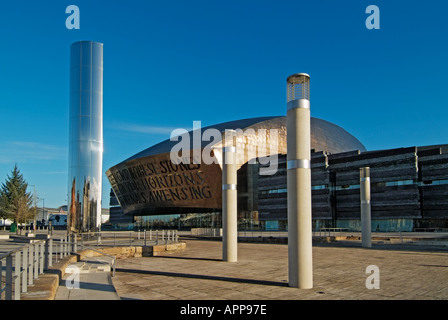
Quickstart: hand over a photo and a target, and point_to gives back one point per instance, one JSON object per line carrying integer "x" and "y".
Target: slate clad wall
{"x": 273, "y": 204}
{"x": 405, "y": 183}
{"x": 433, "y": 170}
{"x": 393, "y": 177}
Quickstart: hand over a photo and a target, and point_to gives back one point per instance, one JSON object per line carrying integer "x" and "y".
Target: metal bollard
{"x": 36, "y": 261}
{"x": 74, "y": 243}
{"x": 8, "y": 279}
{"x": 25, "y": 270}
{"x": 46, "y": 255}
{"x": 41, "y": 258}
{"x": 17, "y": 276}
{"x": 61, "y": 248}
{"x": 50, "y": 253}
{"x": 30, "y": 265}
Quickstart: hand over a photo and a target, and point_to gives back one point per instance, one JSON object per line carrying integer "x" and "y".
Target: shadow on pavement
{"x": 203, "y": 277}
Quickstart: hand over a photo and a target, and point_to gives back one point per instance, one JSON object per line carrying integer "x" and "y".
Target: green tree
{"x": 15, "y": 202}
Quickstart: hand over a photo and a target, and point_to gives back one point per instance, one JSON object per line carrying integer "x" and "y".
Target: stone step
{"x": 90, "y": 265}
{"x": 80, "y": 267}
{"x": 99, "y": 265}
{"x": 103, "y": 268}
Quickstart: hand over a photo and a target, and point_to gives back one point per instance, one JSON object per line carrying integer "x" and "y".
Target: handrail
{"x": 103, "y": 237}
{"x": 4, "y": 255}
{"x": 28, "y": 267}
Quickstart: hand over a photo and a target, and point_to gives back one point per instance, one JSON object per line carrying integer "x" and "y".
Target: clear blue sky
{"x": 169, "y": 63}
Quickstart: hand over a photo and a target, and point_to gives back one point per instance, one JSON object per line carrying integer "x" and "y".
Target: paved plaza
{"x": 198, "y": 273}
{"x": 405, "y": 272}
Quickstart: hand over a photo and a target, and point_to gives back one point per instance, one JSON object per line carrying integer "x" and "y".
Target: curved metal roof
{"x": 325, "y": 136}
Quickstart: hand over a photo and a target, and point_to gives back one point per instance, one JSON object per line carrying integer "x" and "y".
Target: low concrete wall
{"x": 135, "y": 251}
{"x": 160, "y": 250}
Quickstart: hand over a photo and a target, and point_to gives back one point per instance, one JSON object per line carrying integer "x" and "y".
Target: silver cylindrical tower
{"x": 86, "y": 136}
{"x": 300, "y": 264}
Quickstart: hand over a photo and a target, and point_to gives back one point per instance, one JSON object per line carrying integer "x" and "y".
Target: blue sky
{"x": 169, "y": 63}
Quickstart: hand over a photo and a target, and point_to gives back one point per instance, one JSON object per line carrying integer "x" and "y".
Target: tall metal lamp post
{"x": 300, "y": 262}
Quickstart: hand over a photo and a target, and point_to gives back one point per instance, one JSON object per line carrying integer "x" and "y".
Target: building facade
{"x": 409, "y": 190}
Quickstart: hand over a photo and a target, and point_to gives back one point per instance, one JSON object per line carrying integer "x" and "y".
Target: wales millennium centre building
{"x": 408, "y": 185}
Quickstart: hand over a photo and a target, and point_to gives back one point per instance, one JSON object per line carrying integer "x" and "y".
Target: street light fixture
{"x": 43, "y": 207}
